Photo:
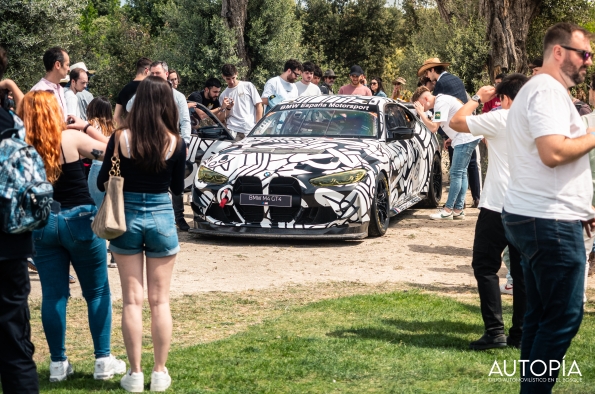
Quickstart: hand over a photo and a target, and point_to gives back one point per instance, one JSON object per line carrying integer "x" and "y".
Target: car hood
{"x": 293, "y": 156}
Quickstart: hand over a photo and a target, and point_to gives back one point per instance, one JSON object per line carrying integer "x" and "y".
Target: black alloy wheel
{"x": 379, "y": 212}
{"x": 435, "y": 184}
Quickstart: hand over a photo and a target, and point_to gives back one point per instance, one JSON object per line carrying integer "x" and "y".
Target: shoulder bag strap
{"x": 115, "y": 171}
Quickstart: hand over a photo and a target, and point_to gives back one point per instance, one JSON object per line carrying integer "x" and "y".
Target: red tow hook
{"x": 224, "y": 201}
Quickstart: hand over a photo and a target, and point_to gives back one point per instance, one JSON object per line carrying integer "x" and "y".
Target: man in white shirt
{"x": 57, "y": 66}
{"x": 78, "y": 82}
{"x": 490, "y": 239}
{"x": 240, "y": 102}
{"x": 306, "y": 87}
{"x": 548, "y": 196}
{"x": 282, "y": 87}
{"x": 445, "y": 107}
{"x": 161, "y": 69}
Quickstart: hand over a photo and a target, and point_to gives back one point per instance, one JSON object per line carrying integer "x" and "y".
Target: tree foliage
{"x": 346, "y": 32}
{"x": 387, "y": 38}
{"x": 195, "y": 41}
{"x": 29, "y": 28}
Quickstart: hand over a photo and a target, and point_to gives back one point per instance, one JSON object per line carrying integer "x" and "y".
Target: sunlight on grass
{"x": 401, "y": 342}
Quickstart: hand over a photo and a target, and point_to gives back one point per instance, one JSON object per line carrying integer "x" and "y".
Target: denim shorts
{"x": 150, "y": 226}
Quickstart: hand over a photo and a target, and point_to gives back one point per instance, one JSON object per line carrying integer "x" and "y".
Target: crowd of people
{"x": 542, "y": 213}
{"x": 540, "y": 216}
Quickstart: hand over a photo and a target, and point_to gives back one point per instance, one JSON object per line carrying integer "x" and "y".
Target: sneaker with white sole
{"x": 160, "y": 381}
{"x": 133, "y": 382}
{"x": 506, "y": 288}
{"x": 107, "y": 367}
{"x": 441, "y": 215}
{"x": 60, "y": 370}
{"x": 458, "y": 216}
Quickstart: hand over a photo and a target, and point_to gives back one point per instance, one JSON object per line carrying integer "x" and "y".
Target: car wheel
{"x": 379, "y": 212}
{"x": 435, "y": 188}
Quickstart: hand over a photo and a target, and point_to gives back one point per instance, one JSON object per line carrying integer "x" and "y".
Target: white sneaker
{"x": 506, "y": 288}
{"x": 160, "y": 381}
{"x": 441, "y": 215}
{"x": 133, "y": 382}
{"x": 458, "y": 216}
{"x": 60, "y": 370}
{"x": 106, "y": 367}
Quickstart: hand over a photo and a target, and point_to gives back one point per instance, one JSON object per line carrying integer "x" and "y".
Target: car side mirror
{"x": 212, "y": 133}
{"x": 399, "y": 133}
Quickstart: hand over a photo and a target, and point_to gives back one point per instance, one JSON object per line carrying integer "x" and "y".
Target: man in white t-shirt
{"x": 282, "y": 87}
{"x": 490, "y": 239}
{"x": 240, "y": 102}
{"x": 306, "y": 87}
{"x": 548, "y": 196}
{"x": 445, "y": 107}
{"x": 78, "y": 82}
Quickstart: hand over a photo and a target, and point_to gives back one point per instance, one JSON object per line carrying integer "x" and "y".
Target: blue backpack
{"x": 25, "y": 193}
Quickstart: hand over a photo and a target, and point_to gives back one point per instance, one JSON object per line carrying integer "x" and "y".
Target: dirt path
{"x": 415, "y": 250}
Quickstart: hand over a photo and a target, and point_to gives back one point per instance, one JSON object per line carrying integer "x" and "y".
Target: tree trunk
{"x": 508, "y": 23}
{"x": 234, "y": 13}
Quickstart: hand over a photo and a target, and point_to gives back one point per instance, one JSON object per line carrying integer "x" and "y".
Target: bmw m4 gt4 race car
{"x": 321, "y": 166}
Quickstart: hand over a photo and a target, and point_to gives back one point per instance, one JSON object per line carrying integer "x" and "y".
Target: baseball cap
{"x": 356, "y": 70}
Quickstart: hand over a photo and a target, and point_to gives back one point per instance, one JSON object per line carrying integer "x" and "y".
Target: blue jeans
{"x": 553, "y": 262}
{"x": 150, "y": 226}
{"x": 67, "y": 239}
{"x": 458, "y": 175}
{"x": 96, "y": 194}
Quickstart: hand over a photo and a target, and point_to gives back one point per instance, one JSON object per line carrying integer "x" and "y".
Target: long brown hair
{"x": 99, "y": 113}
{"x": 44, "y": 123}
{"x": 153, "y": 119}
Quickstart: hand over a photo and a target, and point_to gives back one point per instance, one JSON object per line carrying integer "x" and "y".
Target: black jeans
{"x": 17, "y": 369}
{"x": 473, "y": 173}
{"x": 177, "y": 201}
{"x": 488, "y": 245}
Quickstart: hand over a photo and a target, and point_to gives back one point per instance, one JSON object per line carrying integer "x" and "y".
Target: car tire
{"x": 435, "y": 187}
{"x": 379, "y": 211}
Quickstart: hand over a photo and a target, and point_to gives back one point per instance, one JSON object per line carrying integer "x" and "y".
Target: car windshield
{"x": 317, "y": 122}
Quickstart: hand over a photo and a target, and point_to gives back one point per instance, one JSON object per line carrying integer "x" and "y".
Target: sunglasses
{"x": 373, "y": 83}
{"x": 586, "y": 55}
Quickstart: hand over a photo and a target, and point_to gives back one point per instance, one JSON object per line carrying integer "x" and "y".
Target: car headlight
{"x": 209, "y": 176}
{"x": 340, "y": 178}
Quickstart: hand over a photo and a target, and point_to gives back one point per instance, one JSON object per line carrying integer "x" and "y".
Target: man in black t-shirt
{"x": 17, "y": 368}
{"x": 209, "y": 97}
{"x": 142, "y": 71}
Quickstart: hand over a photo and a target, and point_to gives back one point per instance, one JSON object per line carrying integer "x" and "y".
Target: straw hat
{"x": 429, "y": 63}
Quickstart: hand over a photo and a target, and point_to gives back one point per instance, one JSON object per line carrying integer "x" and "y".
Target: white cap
{"x": 83, "y": 66}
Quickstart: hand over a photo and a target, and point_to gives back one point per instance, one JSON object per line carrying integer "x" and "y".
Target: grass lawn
{"x": 399, "y": 342}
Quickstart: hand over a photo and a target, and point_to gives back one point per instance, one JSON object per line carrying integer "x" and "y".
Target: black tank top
{"x": 71, "y": 188}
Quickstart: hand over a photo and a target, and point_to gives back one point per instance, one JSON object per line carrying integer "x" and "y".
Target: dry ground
{"x": 415, "y": 250}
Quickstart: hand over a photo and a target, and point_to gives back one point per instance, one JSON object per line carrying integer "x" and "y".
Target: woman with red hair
{"x": 68, "y": 237}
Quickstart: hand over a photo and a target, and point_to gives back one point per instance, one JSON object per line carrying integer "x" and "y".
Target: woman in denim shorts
{"x": 68, "y": 238}
{"x": 152, "y": 160}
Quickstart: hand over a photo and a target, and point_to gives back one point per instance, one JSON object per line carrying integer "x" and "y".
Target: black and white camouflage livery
{"x": 284, "y": 165}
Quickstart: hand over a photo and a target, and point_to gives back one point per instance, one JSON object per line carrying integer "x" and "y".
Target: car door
{"x": 205, "y": 141}
{"x": 407, "y": 152}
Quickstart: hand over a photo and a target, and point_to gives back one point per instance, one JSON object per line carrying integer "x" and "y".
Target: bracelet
{"x": 86, "y": 127}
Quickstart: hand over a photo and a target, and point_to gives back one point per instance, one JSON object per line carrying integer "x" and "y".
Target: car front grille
{"x": 290, "y": 187}
{"x": 252, "y": 185}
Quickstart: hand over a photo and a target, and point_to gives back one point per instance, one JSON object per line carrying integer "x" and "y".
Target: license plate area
{"x": 271, "y": 200}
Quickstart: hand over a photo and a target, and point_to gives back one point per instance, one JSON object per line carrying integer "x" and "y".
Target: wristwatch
{"x": 476, "y": 99}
